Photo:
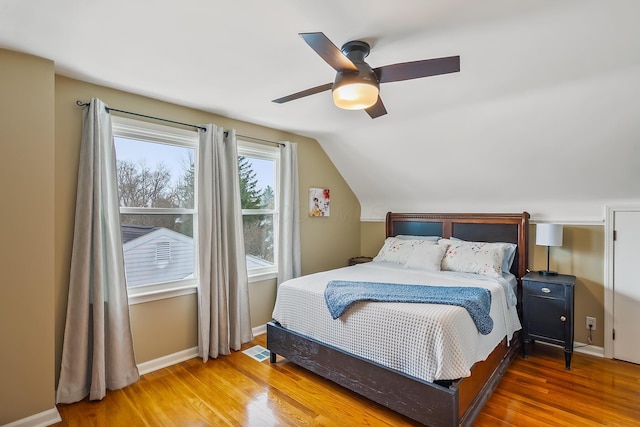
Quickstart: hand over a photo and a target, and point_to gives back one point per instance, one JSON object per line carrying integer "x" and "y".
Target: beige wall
{"x": 371, "y": 238}
{"x": 164, "y": 326}
{"x": 259, "y": 292}
{"x": 26, "y": 257}
{"x": 581, "y": 254}
{"x": 175, "y": 319}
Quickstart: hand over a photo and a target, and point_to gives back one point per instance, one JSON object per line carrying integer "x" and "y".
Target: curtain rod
{"x": 109, "y": 109}
{"x": 258, "y": 139}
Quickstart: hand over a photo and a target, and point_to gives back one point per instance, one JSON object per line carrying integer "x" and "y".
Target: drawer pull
{"x": 545, "y": 290}
{"x": 563, "y": 318}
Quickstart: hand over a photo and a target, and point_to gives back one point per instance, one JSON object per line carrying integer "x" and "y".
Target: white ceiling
{"x": 544, "y": 115}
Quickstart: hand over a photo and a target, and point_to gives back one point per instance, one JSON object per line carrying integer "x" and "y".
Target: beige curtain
{"x": 289, "y": 221}
{"x": 223, "y": 295}
{"x": 97, "y": 352}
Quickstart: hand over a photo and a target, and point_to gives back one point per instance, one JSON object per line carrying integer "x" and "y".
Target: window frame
{"x": 265, "y": 152}
{"x": 151, "y": 132}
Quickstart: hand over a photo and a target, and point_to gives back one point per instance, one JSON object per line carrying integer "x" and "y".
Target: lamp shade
{"x": 355, "y": 91}
{"x": 549, "y": 234}
{"x": 355, "y": 96}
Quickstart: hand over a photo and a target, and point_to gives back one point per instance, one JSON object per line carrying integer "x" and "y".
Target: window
{"x": 259, "y": 170}
{"x": 156, "y": 170}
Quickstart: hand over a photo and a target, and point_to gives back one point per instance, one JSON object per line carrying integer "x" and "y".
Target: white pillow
{"x": 509, "y": 254}
{"x": 398, "y": 250}
{"x": 474, "y": 257}
{"x": 426, "y": 257}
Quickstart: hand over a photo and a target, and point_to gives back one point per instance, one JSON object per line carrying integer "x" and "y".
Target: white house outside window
{"x": 259, "y": 192}
{"x": 158, "y": 210}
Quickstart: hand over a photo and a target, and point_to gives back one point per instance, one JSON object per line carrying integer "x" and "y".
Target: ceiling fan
{"x": 357, "y": 85}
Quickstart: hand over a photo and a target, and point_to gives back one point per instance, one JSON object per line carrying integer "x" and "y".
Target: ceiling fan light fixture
{"x": 353, "y": 92}
{"x": 357, "y": 85}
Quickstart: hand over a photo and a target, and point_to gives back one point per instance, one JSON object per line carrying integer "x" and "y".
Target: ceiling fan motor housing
{"x": 356, "y": 51}
{"x": 364, "y": 78}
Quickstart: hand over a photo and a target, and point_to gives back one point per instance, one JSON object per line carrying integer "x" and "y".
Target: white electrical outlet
{"x": 591, "y": 323}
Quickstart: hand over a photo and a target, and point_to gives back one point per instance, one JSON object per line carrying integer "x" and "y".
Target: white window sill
{"x": 259, "y": 277}
{"x": 187, "y": 290}
{"x": 162, "y": 294}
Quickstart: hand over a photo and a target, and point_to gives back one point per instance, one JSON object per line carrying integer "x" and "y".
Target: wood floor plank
{"x": 539, "y": 391}
{"x": 236, "y": 390}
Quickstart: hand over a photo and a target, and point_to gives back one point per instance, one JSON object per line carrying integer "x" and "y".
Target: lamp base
{"x": 548, "y": 273}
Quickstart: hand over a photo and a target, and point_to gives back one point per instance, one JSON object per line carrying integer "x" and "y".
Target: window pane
{"x": 154, "y": 175}
{"x": 257, "y": 178}
{"x": 157, "y": 248}
{"x": 258, "y": 240}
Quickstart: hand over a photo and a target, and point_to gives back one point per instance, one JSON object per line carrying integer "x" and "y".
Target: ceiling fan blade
{"x": 328, "y": 51}
{"x": 304, "y": 93}
{"x": 377, "y": 109}
{"x": 418, "y": 69}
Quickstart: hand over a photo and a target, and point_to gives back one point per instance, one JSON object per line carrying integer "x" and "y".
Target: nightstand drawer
{"x": 551, "y": 290}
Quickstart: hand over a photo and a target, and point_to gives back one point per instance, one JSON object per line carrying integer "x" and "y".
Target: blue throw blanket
{"x": 340, "y": 295}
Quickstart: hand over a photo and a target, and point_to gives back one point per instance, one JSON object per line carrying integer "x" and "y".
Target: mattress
{"x": 427, "y": 341}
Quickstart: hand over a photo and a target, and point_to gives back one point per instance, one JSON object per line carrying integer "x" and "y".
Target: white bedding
{"x": 427, "y": 341}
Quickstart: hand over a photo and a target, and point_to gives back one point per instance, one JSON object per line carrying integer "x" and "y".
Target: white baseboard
{"x": 168, "y": 360}
{"x": 42, "y": 419}
{"x": 259, "y": 330}
{"x": 181, "y": 356}
{"x": 593, "y": 350}
{"x": 579, "y": 347}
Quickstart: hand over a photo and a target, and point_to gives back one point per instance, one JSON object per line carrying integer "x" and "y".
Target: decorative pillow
{"x": 509, "y": 253}
{"x": 426, "y": 257}
{"x": 398, "y": 250}
{"x": 474, "y": 257}
{"x": 427, "y": 238}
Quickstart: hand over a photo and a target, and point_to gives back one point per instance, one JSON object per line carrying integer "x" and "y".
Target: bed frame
{"x": 441, "y": 403}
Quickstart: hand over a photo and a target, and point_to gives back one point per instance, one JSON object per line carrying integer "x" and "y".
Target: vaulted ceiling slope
{"x": 544, "y": 115}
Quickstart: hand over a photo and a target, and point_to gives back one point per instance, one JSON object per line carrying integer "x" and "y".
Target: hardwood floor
{"x": 236, "y": 390}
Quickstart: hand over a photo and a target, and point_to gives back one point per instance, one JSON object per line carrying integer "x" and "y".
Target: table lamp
{"x": 548, "y": 235}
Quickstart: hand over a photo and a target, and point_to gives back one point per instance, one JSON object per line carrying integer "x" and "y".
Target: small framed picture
{"x": 318, "y": 202}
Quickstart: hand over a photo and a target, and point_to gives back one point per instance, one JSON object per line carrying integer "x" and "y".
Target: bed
{"x": 398, "y": 377}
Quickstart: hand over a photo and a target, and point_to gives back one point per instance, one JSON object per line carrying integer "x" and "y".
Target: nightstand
{"x": 359, "y": 260}
{"x": 547, "y": 311}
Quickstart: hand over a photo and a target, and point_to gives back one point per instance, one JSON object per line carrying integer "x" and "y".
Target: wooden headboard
{"x": 484, "y": 227}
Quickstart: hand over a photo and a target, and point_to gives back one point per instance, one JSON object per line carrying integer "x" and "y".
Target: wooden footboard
{"x": 428, "y": 403}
